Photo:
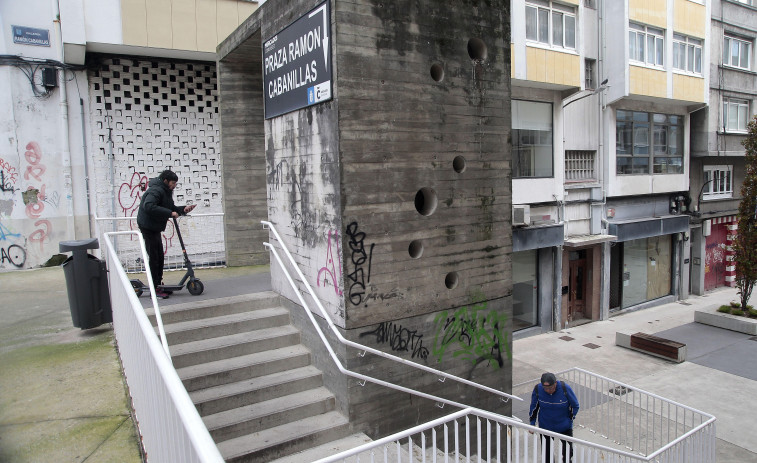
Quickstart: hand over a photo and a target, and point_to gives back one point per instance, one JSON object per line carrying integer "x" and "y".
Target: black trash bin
{"x": 87, "y": 284}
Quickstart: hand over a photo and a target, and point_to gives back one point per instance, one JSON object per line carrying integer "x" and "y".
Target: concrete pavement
{"x": 719, "y": 376}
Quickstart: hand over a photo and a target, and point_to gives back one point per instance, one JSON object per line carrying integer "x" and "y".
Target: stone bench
{"x": 652, "y": 345}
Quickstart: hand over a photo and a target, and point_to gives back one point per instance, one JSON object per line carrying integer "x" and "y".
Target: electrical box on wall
{"x": 521, "y": 215}
{"x": 49, "y": 78}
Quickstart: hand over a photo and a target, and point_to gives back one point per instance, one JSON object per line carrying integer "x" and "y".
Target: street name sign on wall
{"x": 297, "y": 64}
{"x": 31, "y": 36}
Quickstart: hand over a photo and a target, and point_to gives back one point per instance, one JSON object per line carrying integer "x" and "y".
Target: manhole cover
{"x": 591, "y": 345}
{"x": 619, "y": 390}
{"x": 566, "y": 338}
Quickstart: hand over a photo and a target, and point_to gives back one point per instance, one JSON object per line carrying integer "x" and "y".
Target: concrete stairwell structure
{"x": 250, "y": 378}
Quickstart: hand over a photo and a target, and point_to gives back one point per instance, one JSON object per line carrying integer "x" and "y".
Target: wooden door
{"x": 577, "y": 289}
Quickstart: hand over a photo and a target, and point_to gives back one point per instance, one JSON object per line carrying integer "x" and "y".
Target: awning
{"x": 543, "y": 236}
{"x": 647, "y": 227}
{"x": 587, "y": 240}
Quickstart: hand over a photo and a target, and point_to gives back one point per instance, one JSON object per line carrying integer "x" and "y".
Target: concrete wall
{"x": 397, "y": 157}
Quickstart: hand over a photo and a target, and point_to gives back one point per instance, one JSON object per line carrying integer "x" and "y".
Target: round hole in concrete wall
{"x": 415, "y": 249}
{"x": 425, "y": 201}
{"x": 476, "y": 49}
{"x": 458, "y": 164}
{"x": 451, "y": 280}
{"x": 437, "y": 72}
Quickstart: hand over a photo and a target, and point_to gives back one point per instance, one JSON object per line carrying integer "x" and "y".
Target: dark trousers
{"x": 154, "y": 245}
{"x": 565, "y": 447}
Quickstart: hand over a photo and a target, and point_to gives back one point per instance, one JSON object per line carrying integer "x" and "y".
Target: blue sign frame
{"x": 297, "y": 64}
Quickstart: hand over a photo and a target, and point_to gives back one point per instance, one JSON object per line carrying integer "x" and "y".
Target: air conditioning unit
{"x": 521, "y": 215}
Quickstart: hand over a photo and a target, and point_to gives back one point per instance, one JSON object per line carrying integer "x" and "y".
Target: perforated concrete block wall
{"x": 150, "y": 115}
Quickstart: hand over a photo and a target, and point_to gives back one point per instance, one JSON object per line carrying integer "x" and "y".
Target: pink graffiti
{"x": 168, "y": 235}
{"x": 330, "y": 267}
{"x": 9, "y": 172}
{"x": 41, "y": 233}
{"x": 130, "y": 193}
{"x": 34, "y": 209}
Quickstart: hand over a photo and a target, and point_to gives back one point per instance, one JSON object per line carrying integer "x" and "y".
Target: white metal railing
{"x": 635, "y": 420}
{"x": 168, "y": 422}
{"x": 474, "y": 435}
{"x": 203, "y": 236}
{"x": 503, "y": 395}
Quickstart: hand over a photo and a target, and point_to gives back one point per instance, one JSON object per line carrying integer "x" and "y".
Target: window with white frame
{"x": 532, "y": 139}
{"x": 551, "y": 23}
{"x": 687, "y": 54}
{"x": 736, "y": 52}
{"x": 718, "y": 182}
{"x": 646, "y": 44}
{"x": 735, "y": 115}
{"x": 746, "y": 2}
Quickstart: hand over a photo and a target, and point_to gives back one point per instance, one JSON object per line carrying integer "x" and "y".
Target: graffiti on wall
{"x": 361, "y": 261}
{"x": 400, "y": 339}
{"x": 10, "y": 252}
{"x": 34, "y": 198}
{"x": 328, "y": 272}
{"x": 130, "y": 193}
{"x": 8, "y": 176}
{"x": 473, "y": 333}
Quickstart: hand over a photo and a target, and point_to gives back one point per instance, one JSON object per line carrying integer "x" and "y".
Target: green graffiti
{"x": 472, "y": 333}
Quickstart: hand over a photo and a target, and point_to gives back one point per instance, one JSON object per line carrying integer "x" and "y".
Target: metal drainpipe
{"x": 64, "y": 126}
{"x": 86, "y": 167}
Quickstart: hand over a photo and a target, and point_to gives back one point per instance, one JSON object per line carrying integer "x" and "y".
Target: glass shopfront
{"x": 525, "y": 290}
{"x": 640, "y": 271}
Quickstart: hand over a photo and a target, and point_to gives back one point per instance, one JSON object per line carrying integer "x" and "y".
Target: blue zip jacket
{"x": 555, "y": 411}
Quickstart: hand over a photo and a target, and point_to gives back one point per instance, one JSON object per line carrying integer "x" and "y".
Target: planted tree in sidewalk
{"x": 745, "y": 244}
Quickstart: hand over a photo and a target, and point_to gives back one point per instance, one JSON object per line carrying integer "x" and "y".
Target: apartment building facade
{"x": 604, "y": 94}
{"x": 717, "y": 155}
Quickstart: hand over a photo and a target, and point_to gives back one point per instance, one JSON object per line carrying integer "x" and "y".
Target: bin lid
{"x": 78, "y": 245}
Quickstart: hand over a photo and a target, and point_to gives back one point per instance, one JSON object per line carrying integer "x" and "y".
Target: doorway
{"x": 577, "y": 272}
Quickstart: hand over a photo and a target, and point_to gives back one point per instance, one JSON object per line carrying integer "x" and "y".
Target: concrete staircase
{"x": 250, "y": 378}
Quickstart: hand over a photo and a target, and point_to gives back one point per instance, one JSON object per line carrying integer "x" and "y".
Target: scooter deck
{"x": 170, "y": 287}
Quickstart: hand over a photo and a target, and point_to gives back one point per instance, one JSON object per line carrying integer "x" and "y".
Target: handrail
{"x": 481, "y": 414}
{"x": 133, "y": 217}
{"x": 266, "y": 224}
{"x": 158, "y": 318}
{"x": 333, "y": 354}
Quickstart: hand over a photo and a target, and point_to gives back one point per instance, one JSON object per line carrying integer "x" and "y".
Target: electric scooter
{"x": 194, "y": 285}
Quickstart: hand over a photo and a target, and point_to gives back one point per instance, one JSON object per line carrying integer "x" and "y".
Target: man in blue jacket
{"x": 555, "y": 406}
{"x": 155, "y": 209}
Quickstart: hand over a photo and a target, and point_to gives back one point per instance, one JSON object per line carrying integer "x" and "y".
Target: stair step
{"x": 328, "y": 449}
{"x": 286, "y": 439}
{"x": 228, "y": 396}
{"x": 196, "y": 330}
{"x": 271, "y": 413}
{"x": 223, "y": 347}
{"x": 244, "y": 367}
{"x": 214, "y": 307}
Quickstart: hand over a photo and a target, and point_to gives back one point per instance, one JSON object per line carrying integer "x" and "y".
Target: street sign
{"x": 297, "y": 64}
{"x": 31, "y": 36}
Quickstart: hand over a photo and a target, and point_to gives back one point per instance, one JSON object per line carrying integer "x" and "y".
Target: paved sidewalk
{"x": 718, "y": 377}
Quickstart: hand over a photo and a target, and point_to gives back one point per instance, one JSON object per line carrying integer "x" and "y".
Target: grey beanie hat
{"x": 548, "y": 379}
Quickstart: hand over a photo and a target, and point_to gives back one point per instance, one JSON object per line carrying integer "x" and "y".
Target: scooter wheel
{"x": 137, "y": 285}
{"x": 195, "y": 287}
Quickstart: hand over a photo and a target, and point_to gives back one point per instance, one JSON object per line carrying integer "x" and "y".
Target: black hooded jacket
{"x": 156, "y": 207}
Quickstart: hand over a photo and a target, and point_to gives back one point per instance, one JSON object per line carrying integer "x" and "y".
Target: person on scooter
{"x": 155, "y": 208}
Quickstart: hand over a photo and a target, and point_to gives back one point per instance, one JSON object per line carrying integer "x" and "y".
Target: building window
{"x": 525, "y": 290}
{"x": 746, "y": 2}
{"x": 735, "y": 115}
{"x": 646, "y": 44}
{"x": 551, "y": 23}
{"x": 687, "y": 54}
{"x": 532, "y": 139}
{"x": 645, "y": 139}
{"x": 736, "y": 52}
{"x": 579, "y": 166}
{"x": 590, "y": 80}
{"x": 718, "y": 182}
